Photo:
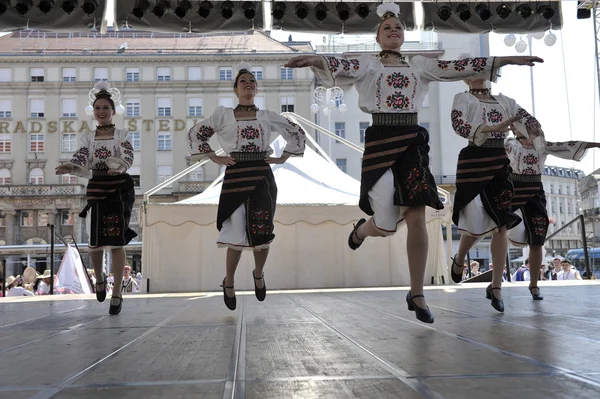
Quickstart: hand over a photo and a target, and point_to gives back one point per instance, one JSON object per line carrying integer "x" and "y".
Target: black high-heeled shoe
{"x": 456, "y": 277}
{"x": 351, "y": 242}
{"x": 497, "y": 304}
{"x": 260, "y": 293}
{"x": 101, "y": 293}
{"x": 423, "y": 315}
{"x": 536, "y": 297}
{"x": 115, "y": 309}
{"x": 230, "y": 301}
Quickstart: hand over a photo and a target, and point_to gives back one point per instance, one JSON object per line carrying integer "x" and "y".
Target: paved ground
{"x": 314, "y": 344}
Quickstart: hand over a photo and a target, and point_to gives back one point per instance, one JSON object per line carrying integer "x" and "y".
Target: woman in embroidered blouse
{"x": 107, "y": 153}
{"x": 396, "y": 183}
{"x": 527, "y": 157}
{"x": 249, "y": 192}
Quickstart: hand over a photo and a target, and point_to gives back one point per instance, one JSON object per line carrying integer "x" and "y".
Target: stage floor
{"x": 360, "y": 343}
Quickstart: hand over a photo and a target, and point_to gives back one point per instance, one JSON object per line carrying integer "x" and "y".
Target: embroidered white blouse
{"x": 531, "y": 161}
{"x": 399, "y": 88}
{"x": 93, "y": 153}
{"x": 470, "y": 115}
{"x": 244, "y": 135}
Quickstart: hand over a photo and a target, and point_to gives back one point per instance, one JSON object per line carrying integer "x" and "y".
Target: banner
{"x": 71, "y": 276}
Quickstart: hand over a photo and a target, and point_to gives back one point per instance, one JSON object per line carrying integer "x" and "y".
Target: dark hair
{"x": 527, "y": 261}
{"x": 104, "y": 95}
{"x": 240, "y": 73}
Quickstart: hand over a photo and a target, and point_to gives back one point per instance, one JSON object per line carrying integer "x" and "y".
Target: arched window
{"x": 5, "y": 177}
{"x": 35, "y": 241}
{"x": 36, "y": 176}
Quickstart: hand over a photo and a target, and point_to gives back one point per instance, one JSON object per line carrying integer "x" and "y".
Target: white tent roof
{"x": 307, "y": 180}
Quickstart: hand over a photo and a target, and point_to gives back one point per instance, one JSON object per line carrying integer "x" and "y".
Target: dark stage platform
{"x": 305, "y": 344}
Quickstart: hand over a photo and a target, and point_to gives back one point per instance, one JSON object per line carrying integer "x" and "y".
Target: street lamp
{"x": 326, "y": 101}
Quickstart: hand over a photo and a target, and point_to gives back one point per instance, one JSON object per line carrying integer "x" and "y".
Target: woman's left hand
{"x": 524, "y": 60}
{"x": 278, "y": 160}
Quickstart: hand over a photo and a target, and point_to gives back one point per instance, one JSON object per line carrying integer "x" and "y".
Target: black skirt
{"x": 485, "y": 171}
{"x": 252, "y": 184}
{"x": 110, "y": 200}
{"x": 404, "y": 150}
{"x": 530, "y": 198}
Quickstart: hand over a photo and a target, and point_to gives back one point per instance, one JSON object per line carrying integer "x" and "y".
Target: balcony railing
{"x": 193, "y": 186}
{"x": 42, "y": 189}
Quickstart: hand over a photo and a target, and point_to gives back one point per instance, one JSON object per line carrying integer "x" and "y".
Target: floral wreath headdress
{"x": 101, "y": 89}
{"x": 243, "y": 67}
{"x": 388, "y": 9}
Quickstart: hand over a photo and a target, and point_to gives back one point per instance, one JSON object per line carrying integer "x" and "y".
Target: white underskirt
{"x": 518, "y": 234}
{"x": 473, "y": 220}
{"x": 233, "y": 232}
{"x": 387, "y": 216}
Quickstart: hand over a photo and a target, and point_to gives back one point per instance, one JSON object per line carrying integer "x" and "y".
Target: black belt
{"x": 399, "y": 119}
{"x": 489, "y": 143}
{"x": 249, "y": 156}
{"x": 526, "y": 178}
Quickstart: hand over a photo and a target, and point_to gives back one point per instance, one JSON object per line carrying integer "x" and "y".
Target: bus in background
{"x": 577, "y": 259}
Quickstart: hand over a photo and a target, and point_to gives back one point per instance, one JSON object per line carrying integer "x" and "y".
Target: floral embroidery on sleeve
{"x": 346, "y": 65}
{"x": 459, "y": 125}
{"x": 443, "y": 64}
{"x": 127, "y": 150}
{"x": 529, "y": 119}
{"x": 81, "y": 157}
{"x": 198, "y": 137}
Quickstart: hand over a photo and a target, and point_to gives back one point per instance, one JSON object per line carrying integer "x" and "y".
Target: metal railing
{"x": 586, "y": 255}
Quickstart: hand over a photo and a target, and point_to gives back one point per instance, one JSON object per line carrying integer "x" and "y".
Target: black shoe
{"x": 536, "y": 297}
{"x": 260, "y": 293}
{"x": 230, "y": 301}
{"x": 456, "y": 277}
{"x": 115, "y": 309}
{"x": 101, "y": 293}
{"x": 497, "y": 304}
{"x": 351, "y": 242}
{"x": 422, "y": 314}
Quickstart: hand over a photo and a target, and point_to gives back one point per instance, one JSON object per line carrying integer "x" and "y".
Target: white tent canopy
{"x": 316, "y": 207}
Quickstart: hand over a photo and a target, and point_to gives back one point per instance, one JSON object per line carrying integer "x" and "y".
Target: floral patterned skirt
{"x": 484, "y": 172}
{"x": 251, "y": 184}
{"x": 108, "y": 224}
{"x": 405, "y": 151}
{"x": 530, "y": 200}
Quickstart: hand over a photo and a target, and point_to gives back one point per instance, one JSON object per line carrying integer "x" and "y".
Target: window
{"x": 194, "y": 106}
{"x": 164, "y": 141}
{"x": 5, "y": 142}
{"x": 340, "y": 130}
{"x": 132, "y": 74}
{"x": 163, "y": 74}
{"x": 26, "y": 218}
{"x": 66, "y": 218}
{"x": 69, "y": 107}
{"x": 551, "y": 188}
{"x": 36, "y": 108}
{"x": 134, "y": 172}
{"x": 259, "y": 102}
{"x": 194, "y": 73}
{"x": 164, "y": 106}
{"x": 197, "y": 175}
{"x": 133, "y": 107}
{"x": 164, "y": 173}
{"x": 568, "y": 189}
{"x": 68, "y": 179}
{"x": 226, "y": 102}
{"x": 100, "y": 74}
{"x": 225, "y": 73}
{"x": 37, "y": 74}
{"x": 36, "y": 142}
{"x": 5, "y": 176}
{"x": 560, "y": 207}
{"x": 36, "y": 176}
{"x": 559, "y": 189}
{"x": 136, "y": 140}
{"x": 69, "y": 142}
{"x": 69, "y": 74}
{"x": 362, "y": 128}
{"x": 5, "y": 109}
{"x": 568, "y": 208}
{"x": 5, "y": 74}
{"x": 287, "y": 73}
{"x": 341, "y": 163}
{"x": 258, "y": 73}
{"x": 287, "y": 103}
{"x": 42, "y": 219}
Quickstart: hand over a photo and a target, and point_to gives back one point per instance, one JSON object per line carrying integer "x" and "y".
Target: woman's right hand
{"x": 304, "y": 61}
{"x": 222, "y": 160}
{"x": 63, "y": 169}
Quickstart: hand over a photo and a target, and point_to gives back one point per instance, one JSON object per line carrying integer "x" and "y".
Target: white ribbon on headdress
{"x": 115, "y": 95}
{"x": 243, "y": 66}
{"x": 388, "y": 6}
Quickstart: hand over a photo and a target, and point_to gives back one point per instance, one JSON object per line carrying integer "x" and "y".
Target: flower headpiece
{"x": 103, "y": 89}
{"x": 388, "y": 9}
{"x": 243, "y": 67}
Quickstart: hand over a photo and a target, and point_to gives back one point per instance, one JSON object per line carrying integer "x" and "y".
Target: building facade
{"x": 168, "y": 82}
